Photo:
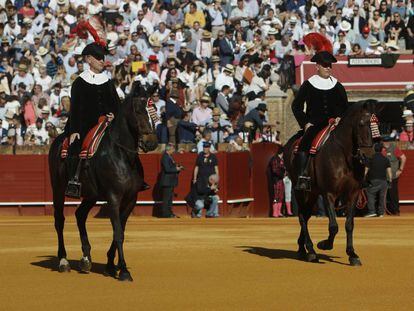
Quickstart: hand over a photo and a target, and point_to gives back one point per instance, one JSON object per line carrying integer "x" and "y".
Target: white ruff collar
{"x": 94, "y": 78}
{"x": 321, "y": 83}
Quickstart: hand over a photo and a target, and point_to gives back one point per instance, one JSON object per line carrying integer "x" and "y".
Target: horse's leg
{"x": 306, "y": 249}
{"x": 114, "y": 206}
{"x": 58, "y": 206}
{"x": 111, "y": 269}
{"x": 349, "y": 227}
{"x": 333, "y": 225}
{"x": 81, "y": 216}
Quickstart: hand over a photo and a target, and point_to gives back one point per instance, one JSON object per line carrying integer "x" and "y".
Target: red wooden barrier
{"x": 25, "y": 179}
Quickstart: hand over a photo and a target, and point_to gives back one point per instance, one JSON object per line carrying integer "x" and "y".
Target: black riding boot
{"x": 73, "y": 188}
{"x": 304, "y": 181}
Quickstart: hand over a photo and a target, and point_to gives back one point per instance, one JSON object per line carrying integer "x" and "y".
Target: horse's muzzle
{"x": 148, "y": 142}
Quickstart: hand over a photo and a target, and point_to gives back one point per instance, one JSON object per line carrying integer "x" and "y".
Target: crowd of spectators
{"x": 214, "y": 60}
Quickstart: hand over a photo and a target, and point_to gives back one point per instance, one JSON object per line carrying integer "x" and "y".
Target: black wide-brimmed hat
{"x": 323, "y": 57}
{"x": 95, "y": 50}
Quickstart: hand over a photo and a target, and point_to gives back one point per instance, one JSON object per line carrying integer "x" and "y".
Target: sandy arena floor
{"x": 209, "y": 264}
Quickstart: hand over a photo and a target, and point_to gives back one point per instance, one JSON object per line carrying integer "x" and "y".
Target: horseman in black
{"x": 325, "y": 98}
{"x": 93, "y": 95}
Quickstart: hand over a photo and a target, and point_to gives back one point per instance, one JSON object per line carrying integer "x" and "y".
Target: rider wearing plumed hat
{"x": 93, "y": 95}
{"x": 325, "y": 98}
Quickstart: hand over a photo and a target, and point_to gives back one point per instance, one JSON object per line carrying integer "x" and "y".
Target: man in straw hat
{"x": 92, "y": 95}
{"x": 226, "y": 78}
{"x": 325, "y": 98}
{"x": 22, "y": 77}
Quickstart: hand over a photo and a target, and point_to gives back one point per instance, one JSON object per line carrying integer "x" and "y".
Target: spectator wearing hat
{"x": 293, "y": 29}
{"x": 186, "y": 129}
{"x": 220, "y": 128}
{"x": 364, "y": 38}
{"x": 204, "y": 49}
{"x": 398, "y": 161}
{"x": 226, "y": 78}
{"x": 22, "y": 76}
{"x": 409, "y": 97}
{"x": 408, "y": 115}
{"x": 194, "y": 15}
{"x": 202, "y": 113}
{"x": 407, "y": 135}
{"x": 374, "y": 48}
{"x": 378, "y": 173}
{"x": 206, "y": 186}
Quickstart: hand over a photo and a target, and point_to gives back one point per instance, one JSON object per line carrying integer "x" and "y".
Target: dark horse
{"x": 114, "y": 175}
{"x": 337, "y": 172}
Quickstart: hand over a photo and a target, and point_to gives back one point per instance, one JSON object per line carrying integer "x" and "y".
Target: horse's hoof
{"x": 301, "y": 254}
{"x": 325, "y": 245}
{"x": 312, "y": 258}
{"x": 355, "y": 261}
{"x": 111, "y": 270}
{"x": 64, "y": 265}
{"x": 85, "y": 265}
{"x": 125, "y": 276}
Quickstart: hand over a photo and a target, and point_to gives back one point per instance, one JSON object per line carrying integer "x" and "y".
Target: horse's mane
{"x": 355, "y": 108}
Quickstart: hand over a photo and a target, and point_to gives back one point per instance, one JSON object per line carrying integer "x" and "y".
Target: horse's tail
{"x": 288, "y": 154}
{"x": 55, "y": 160}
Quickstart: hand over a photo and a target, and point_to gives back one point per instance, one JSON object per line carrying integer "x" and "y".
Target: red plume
{"x": 94, "y": 26}
{"x": 318, "y": 42}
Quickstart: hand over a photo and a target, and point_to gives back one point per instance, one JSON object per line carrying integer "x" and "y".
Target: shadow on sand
{"x": 285, "y": 254}
{"x": 52, "y": 263}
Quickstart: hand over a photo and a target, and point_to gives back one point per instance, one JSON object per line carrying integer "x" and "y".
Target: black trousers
{"x": 393, "y": 198}
{"x": 167, "y": 200}
{"x": 309, "y": 135}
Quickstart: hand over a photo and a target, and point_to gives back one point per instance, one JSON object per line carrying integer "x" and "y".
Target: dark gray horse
{"x": 114, "y": 175}
{"x": 337, "y": 173}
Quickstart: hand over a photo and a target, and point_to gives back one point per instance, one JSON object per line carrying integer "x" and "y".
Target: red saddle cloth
{"x": 320, "y": 139}
{"x": 91, "y": 142}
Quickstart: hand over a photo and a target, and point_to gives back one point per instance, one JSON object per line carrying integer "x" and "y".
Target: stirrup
{"x": 304, "y": 183}
{"x": 73, "y": 189}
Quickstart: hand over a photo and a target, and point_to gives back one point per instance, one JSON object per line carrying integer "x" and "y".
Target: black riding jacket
{"x": 325, "y": 98}
{"x": 92, "y": 96}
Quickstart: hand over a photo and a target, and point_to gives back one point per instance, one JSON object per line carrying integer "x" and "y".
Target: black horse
{"x": 114, "y": 175}
{"x": 337, "y": 172}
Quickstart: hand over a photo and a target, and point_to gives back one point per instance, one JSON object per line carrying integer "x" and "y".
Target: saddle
{"x": 91, "y": 142}
{"x": 319, "y": 139}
